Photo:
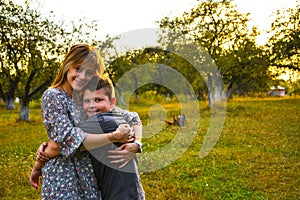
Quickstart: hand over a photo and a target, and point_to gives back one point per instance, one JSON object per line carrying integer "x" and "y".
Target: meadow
{"x": 257, "y": 155}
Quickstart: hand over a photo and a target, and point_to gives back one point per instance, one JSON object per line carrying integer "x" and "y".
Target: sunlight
{"x": 261, "y": 14}
{"x": 116, "y": 17}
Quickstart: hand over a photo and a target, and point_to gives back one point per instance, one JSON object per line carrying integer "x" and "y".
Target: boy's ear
{"x": 112, "y": 102}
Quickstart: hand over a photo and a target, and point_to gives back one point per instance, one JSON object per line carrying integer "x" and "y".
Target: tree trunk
{"x": 9, "y": 97}
{"x": 137, "y": 96}
{"x": 24, "y": 110}
{"x": 219, "y": 87}
{"x": 217, "y": 94}
{"x": 136, "y": 92}
{"x": 230, "y": 93}
{"x": 210, "y": 91}
{"x": 230, "y": 88}
{"x": 9, "y": 102}
{"x": 24, "y": 103}
{"x": 121, "y": 100}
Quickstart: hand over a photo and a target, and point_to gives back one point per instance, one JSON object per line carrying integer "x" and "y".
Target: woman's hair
{"x": 102, "y": 82}
{"x": 79, "y": 54}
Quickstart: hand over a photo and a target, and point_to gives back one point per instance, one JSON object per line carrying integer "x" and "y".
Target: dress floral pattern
{"x": 70, "y": 175}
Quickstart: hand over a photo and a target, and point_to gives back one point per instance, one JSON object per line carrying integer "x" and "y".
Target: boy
{"x": 99, "y": 106}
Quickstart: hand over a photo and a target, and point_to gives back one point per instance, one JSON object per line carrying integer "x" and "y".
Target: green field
{"x": 256, "y": 157}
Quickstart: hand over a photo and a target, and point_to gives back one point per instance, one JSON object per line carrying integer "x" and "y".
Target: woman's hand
{"x": 123, "y": 134}
{"x": 41, "y": 155}
{"x": 123, "y": 154}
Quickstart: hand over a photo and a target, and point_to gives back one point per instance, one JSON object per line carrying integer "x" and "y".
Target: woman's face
{"x": 79, "y": 75}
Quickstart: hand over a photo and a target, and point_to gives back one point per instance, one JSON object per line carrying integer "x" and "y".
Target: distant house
{"x": 278, "y": 91}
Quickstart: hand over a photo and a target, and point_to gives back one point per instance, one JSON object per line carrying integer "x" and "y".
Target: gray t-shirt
{"x": 114, "y": 183}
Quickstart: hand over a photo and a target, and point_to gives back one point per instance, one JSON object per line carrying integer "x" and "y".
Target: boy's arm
{"x": 47, "y": 150}
{"x": 36, "y": 172}
{"x": 44, "y": 152}
{"x": 134, "y": 120}
{"x": 52, "y": 150}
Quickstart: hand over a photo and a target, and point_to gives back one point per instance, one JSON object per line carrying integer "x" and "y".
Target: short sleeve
{"x": 56, "y": 110}
{"x": 131, "y": 117}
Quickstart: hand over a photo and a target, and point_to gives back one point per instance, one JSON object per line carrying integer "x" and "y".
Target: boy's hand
{"x": 123, "y": 154}
{"x": 124, "y": 127}
{"x": 123, "y": 134}
{"x": 41, "y": 155}
{"x": 35, "y": 178}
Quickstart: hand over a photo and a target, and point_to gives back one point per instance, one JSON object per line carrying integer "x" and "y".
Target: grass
{"x": 256, "y": 157}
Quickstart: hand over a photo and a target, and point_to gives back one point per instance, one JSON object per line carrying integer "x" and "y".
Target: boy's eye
{"x": 97, "y": 100}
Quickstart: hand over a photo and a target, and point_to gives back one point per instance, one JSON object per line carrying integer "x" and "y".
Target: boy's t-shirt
{"x": 114, "y": 183}
{"x": 103, "y": 122}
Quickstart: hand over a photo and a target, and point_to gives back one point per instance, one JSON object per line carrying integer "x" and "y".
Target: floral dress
{"x": 71, "y": 174}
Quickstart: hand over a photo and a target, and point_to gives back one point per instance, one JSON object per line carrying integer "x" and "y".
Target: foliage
{"x": 154, "y": 70}
{"x": 32, "y": 48}
{"x": 29, "y": 45}
{"x": 245, "y": 68}
{"x": 285, "y": 40}
{"x": 222, "y": 31}
{"x": 256, "y": 157}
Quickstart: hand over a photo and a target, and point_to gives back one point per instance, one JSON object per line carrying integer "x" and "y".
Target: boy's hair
{"x": 97, "y": 83}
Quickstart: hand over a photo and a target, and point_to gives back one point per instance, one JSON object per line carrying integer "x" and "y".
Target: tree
{"x": 32, "y": 48}
{"x": 29, "y": 51}
{"x": 245, "y": 67}
{"x": 218, "y": 28}
{"x": 285, "y": 41}
{"x": 122, "y": 67}
{"x": 145, "y": 69}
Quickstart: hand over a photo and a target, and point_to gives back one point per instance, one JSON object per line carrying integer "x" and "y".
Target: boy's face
{"x": 97, "y": 102}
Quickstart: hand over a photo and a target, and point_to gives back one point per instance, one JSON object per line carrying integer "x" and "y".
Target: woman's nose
{"x": 81, "y": 75}
{"x": 92, "y": 104}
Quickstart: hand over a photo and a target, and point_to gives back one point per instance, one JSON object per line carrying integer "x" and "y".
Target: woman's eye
{"x": 86, "y": 101}
{"x": 90, "y": 73}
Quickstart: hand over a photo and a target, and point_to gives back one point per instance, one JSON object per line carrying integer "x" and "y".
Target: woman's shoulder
{"x": 55, "y": 91}
{"x": 52, "y": 91}
{"x": 55, "y": 94}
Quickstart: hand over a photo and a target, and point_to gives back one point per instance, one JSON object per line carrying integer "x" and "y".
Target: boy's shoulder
{"x": 106, "y": 116}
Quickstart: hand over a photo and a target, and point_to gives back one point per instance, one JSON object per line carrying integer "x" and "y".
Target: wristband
{"x": 140, "y": 146}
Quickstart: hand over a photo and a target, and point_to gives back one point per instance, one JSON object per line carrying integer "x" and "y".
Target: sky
{"x": 118, "y": 16}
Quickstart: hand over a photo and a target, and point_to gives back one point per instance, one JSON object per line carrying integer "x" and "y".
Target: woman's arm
{"x": 50, "y": 150}
{"x": 134, "y": 120}
{"x": 121, "y": 135}
{"x": 60, "y": 126}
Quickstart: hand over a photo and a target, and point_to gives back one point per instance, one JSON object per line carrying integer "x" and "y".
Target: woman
{"x": 71, "y": 175}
